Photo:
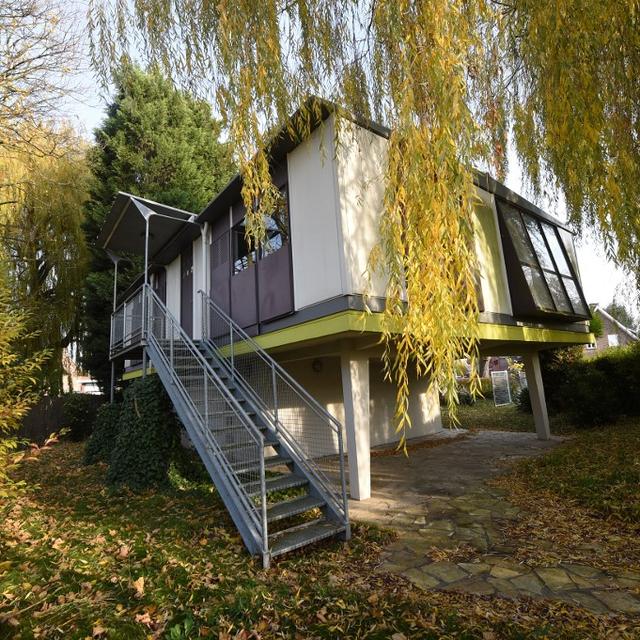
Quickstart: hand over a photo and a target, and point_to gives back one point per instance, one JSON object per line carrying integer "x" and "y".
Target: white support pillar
{"x": 355, "y": 390}
{"x": 536, "y": 393}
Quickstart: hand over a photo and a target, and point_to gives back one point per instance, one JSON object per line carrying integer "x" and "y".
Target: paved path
{"x": 449, "y": 525}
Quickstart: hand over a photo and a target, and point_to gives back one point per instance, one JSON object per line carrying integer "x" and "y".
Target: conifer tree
{"x": 155, "y": 142}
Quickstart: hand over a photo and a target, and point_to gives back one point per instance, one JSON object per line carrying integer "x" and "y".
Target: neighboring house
{"x": 301, "y": 297}
{"x": 614, "y": 333}
{"x": 74, "y": 379}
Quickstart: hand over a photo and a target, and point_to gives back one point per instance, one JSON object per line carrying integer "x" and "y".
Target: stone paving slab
{"x": 464, "y": 514}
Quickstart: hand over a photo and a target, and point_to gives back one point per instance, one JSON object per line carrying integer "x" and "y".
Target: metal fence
{"x": 306, "y": 427}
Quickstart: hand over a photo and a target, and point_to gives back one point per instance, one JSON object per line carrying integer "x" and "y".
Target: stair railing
{"x": 234, "y": 443}
{"x": 307, "y": 428}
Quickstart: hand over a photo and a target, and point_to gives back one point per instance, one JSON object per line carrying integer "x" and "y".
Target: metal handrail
{"x": 273, "y": 363}
{"x": 259, "y": 520}
{"x": 339, "y": 501}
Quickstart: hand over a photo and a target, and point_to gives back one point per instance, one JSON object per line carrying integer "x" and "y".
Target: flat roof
{"x": 124, "y": 228}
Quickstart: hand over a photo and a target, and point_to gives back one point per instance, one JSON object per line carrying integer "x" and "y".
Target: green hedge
{"x": 594, "y": 391}
{"x": 148, "y": 435}
{"x": 102, "y": 442}
{"x": 79, "y": 413}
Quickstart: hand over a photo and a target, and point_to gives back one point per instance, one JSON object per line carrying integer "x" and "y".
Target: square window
{"x": 574, "y": 296}
{"x": 613, "y": 340}
{"x": 567, "y": 242}
{"x": 538, "y": 243}
{"x": 277, "y": 227}
{"x": 518, "y": 235}
{"x": 557, "y": 292}
{"x": 242, "y": 256}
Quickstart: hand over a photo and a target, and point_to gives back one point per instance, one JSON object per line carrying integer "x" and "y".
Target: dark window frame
{"x": 257, "y": 254}
{"x": 507, "y": 209}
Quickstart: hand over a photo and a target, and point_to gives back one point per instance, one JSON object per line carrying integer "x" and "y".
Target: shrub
{"x": 465, "y": 397}
{"x": 523, "y": 401}
{"x": 102, "y": 441}
{"x": 593, "y": 396}
{"x": 558, "y": 367}
{"x": 486, "y": 387}
{"x": 79, "y": 414}
{"x": 596, "y": 391}
{"x": 147, "y": 437}
{"x": 464, "y": 394}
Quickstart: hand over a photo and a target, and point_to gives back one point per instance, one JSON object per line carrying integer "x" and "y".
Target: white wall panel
{"x": 493, "y": 274}
{"x": 316, "y": 244}
{"x": 173, "y": 287}
{"x": 361, "y": 167}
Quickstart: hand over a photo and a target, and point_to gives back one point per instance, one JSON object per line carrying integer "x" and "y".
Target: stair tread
{"x": 289, "y": 508}
{"x": 288, "y": 481}
{"x": 269, "y": 441}
{"x": 296, "y": 537}
{"x": 270, "y": 461}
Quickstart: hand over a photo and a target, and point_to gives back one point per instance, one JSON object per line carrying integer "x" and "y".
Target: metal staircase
{"x": 274, "y": 454}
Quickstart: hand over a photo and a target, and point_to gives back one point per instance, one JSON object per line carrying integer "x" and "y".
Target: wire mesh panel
{"x": 306, "y": 427}
{"x": 226, "y": 431}
{"x": 501, "y": 388}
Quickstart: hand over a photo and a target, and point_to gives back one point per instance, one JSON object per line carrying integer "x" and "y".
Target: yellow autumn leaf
{"x": 138, "y": 585}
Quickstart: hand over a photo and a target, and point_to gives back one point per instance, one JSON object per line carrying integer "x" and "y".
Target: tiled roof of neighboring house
{"x": 608, "y": 316}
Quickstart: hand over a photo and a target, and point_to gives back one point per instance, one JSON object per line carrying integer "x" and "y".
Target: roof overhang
{"x": 125, "y": 226}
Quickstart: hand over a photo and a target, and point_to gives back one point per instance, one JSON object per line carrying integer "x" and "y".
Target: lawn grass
{"x": 484, "y": 415}
{"x": 78, "y": 561}
{"x": 599, "y": 468}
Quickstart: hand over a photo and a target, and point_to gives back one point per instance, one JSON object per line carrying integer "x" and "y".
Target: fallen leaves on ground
{"x": 579, "y": 502}
{"x": 166, "y": 584}
{"x": 429, "y": 443}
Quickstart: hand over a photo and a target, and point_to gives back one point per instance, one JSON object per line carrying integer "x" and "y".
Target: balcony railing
{"x": 127, "y": 329}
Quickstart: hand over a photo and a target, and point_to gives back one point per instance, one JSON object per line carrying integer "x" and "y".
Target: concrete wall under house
{"x": 323, "y": 381}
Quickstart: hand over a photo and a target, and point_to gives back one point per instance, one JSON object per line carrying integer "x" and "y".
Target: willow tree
{"x": 43, "y": 246}
{"x": 451, "y": 78}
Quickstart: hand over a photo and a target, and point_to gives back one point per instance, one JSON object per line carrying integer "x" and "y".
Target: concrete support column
{"x": 536, "y": 393}
{"x": 355, "y": 390}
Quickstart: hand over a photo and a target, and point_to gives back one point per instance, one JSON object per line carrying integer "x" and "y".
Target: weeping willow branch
{"x": 449, "y": 78}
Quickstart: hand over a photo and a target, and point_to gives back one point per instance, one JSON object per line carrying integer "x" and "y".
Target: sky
{"x": 601, "y": 279}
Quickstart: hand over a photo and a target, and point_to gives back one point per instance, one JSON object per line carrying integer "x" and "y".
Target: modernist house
{"x": 614, "y": 334}
{"x": 301, "y": 299}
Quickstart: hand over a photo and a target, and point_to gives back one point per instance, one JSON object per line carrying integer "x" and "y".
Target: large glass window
{"x": 546, "y": 255}
{"x": 277, "y": 227}
{"x": 277, "y": 236}
{"x": 243, "y": 257}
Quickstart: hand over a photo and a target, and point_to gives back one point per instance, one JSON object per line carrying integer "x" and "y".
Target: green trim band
{"x": 136, "y": 373}
{"x": 350, "y": 322}
{"x": 359, "y": 322}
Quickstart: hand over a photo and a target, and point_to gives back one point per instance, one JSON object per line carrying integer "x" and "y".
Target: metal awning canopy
{"x": 126, "y": 224}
